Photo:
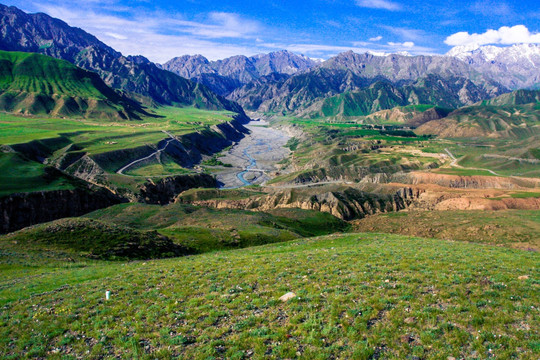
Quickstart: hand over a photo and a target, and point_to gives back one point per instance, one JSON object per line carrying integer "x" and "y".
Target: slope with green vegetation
{"x": 205, "y": 229}
{"x": 431, "y": 90}
{"x": 348, "y": 151}
{"x": 515, "y": 228}
{"x": 359, "y": 296}
{"x": 80, "y": 238}
{"x": 40, "y": 85}
{"x": 99, "y": 148}
{"x": 19, "y": 174}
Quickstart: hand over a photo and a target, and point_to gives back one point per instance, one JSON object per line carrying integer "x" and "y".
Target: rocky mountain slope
{"x": 135, "y": 75}
{"x": 350, "y": 72}
{"x": 223, "y": 76}
{"x": 383, "y": 95}
{"x": 38, "y": 84}
{"x": 514, "y": 66}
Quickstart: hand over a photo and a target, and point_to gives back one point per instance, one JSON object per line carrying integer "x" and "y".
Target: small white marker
{"x": 107, "y": 295}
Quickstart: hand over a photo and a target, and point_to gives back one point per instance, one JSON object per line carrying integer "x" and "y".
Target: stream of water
{"x": 256, "y": 154}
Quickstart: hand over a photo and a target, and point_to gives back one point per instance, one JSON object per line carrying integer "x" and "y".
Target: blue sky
{"x": 161, "y": 29}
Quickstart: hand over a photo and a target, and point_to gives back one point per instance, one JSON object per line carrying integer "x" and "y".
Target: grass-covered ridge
{"x": 358, "y": 296}
{"x": 36, "y": 84}
{"x": 31, "y": 140}
{"x": 18, "y": 174}
{"x": 513, "y": 228}
{"x": 206, "y": 229}
{"x": 94, "y": 239}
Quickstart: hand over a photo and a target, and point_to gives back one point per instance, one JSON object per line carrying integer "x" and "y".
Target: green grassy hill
{"x": 358, "y": 296}
{"x": 18, "y": 174}
{"x": 78, "y": 237}
{"x": 37, "y": 84}
{"x": 206, "y": 229}
{"x": 511, "y": 116}
{"x": 518, "y": 97}
{"x": 382, "y": 95}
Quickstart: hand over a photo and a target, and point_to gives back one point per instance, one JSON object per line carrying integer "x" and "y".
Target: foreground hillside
{"x": 357, "y": 296}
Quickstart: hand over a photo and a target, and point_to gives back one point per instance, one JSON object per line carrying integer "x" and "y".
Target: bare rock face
{"x": 514, "y": 66}
{"x": 347, "y": 204}
{"x": 466, "y": 182}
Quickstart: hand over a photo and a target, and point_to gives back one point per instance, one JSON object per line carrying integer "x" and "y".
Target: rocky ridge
{"x": 515, "y": 66}
{"x": 224, "y": 76}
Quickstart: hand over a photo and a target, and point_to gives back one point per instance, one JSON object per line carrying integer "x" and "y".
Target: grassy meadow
{"x": 102, "y": 136}
{"x": 360, "y": 296}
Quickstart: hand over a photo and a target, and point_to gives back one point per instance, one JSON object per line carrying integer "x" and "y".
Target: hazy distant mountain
{"x": 515, "y": 67}
{"x": 136, "y": 75}
{"x": 223, "y": 76}
{"x": 351, "y": 72}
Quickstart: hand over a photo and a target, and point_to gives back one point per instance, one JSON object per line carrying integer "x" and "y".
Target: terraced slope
{"x": 37, "y": 84}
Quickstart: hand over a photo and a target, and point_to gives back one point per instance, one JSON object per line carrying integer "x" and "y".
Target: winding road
{"x": 455, "y": 164}
{"x": 155, "y": 153}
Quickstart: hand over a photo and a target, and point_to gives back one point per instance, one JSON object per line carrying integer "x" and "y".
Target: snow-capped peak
{"x": 491, "y": 52}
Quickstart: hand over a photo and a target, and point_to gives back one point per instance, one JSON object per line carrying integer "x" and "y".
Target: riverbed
{"x": 255, "y": 157}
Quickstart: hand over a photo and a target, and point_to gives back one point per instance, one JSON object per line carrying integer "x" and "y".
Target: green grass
{"x": 98, "y": 137}
{"x": 462, "y": 172}
{"x": 33, "y": 73}
{"x": 513, "y": 228}
{"x": 80, "y": 237}
{"x": 166, "y": 166}
{"x": 207, "y": 229}
{"x": 18, "y": 174}
{"x": 55, "y": 138}
{"x": 359, "y": 296}
{"x": 525, "y": 195}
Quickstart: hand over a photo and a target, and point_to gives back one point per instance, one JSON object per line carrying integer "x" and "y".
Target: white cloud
{"x": 159, "y": 36}
{"x": 376, "y": 38}
{"x": 518, "y": 34}
{"x": 406, "y": 44}
{"x": 220, "y": 25}
{"x": 324, "y": 50}
{"x": 379, "y": 4}
{"x": 406, "y": 33}
{"x": 116, "y": 36}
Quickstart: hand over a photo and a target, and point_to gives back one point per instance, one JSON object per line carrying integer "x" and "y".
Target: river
{"x": 254, "y": 158}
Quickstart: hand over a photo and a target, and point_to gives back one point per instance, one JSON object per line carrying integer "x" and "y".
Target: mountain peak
{"x": 515, "y": 66}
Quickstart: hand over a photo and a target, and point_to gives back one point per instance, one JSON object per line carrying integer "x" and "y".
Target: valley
{"x": 368, "y": 205}
{"x": 253, "y": 158}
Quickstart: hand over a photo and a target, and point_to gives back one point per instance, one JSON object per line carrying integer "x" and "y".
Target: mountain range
{"x": 348, "y": 84}
{"x": 515, "y": 66}
{"x": 286, "y": 83}
{"x": 134, "y": 75}
{"x": 239, "y": 70}
{"x": 348, "y": 72}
